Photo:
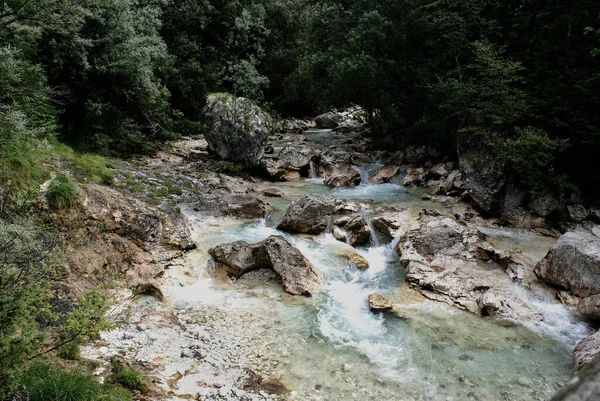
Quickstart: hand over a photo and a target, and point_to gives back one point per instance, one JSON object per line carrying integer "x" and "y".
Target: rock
{"x": 577, "y": 213}
{"x": 292, "y": 158}
{"x": 20, "y": 394}
{"x": 486, "y": 180}
{"x": 297, "y": 274}
{"x": 358, "y": 231}
{"x": 586, "y": 350}
{"x": 384, "y": 174}
{"x": 585, "y": 386}
{"x": 345, "y": 176}
{"x": 236, "y": 129}
{"x": 437, "y": 172}
{"x": 273, "y": 192}
{"x": 414, "y": 177}
{"x": 384, "y": 228}
{"x": 349, "y": 125}
{"x": 573, "y": 263}
{"x": 545, "y": 204}
{"x": 291, "y": 176}
{"x": 418, "y": 155}
{"x": 311, "y": 213}
{"x": 150, "y": 288}
{"x": 521, "y": 218}
{"x": 590, "y": 307}
{"x": 328, "y": 120}
{"x": 355, "y": 258}
{"x": 442, "y": 261}
{"x": 379, "y": 303}
{"x": 437, "y": 187}
{"x": 339, "y": 234}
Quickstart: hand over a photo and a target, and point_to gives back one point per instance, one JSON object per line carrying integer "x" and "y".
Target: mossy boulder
{"x": 236, "y": 129}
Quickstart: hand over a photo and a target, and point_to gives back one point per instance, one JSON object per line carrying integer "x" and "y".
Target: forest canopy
{"x": 114, "y": 76}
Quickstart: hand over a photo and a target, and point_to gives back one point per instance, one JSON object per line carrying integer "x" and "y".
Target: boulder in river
{"x": 328, "y": 120}
{"x": 379, "y": 303}
{"x": 343, "y": 176}
{"x": 298, "y": 275}
{"x": 235, "y": 128}
{"x": 384, "y": 174}
{"x": 355, "y": 258}
{"x": 573, "y": 262}
{"x": 294, "y": 158}
{"x": 443, "y": 260}
{"x": 358, "y": 231}
{"x": 311, "y": 213}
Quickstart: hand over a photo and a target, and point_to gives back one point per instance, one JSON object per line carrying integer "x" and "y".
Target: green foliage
{"x": 61, "y": 192}
{"x": 70, "y": 351}
{"x": 46, "y": 382}
{"x": 99, "y": 169}
{"x": 128, "y": 376}
{"x": 530, "y": 154}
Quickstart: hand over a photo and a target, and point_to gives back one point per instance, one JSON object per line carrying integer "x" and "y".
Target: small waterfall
{"x": 313, "y": 170}
{"x": 373, "y": 240}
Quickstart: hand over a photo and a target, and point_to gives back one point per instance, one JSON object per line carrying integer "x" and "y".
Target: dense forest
{"x": 117, "y": 77}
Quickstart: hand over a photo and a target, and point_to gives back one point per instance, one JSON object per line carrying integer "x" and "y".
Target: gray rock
{"x": 573, "y": 263}
{"x": 436, "y": 172}
{"x": 358, "y": 231}
{"x": 442, "y": 260}
{"x": 414, "y": 176}
{"x": 590, "y": 307}
{"x": 311, "y": 213}
{"x": 236, "y": 129}
{"x": 485, "y": 179}
{"x": 545, "y": 204}
{"x": 298, "y": 275}
{"x": 328, "y": 120}
{"x": 585, "y": 386}
{"x": 577, "y": 213}
{"x": 586, "y": 350}
{"x": 292, "y": 158}
{"x": 20, "y": 394}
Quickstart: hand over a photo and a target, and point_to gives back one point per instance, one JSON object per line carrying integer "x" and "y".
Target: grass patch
{"x": 61, "y": 192}
{"x": 98, "y": 168}
{"x": 229, "y": 168}
{"x": 128, "y": 376}
{"x": 173, "y": 188}
{"x": 46, "y": 382}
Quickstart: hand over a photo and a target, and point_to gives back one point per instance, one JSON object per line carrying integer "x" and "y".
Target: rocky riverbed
{"x": 466, "y": 316}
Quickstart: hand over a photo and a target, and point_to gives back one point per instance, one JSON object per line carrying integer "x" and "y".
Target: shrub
{"x": 70, "y": 351}
{"x": 61, "y": 192}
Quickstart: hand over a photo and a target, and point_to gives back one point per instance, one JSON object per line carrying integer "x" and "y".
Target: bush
{"x": 48, "y": 383}
{"x": 61, "y": 192}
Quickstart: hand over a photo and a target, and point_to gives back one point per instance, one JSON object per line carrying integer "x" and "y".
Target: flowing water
{"x": 332, "y": 347}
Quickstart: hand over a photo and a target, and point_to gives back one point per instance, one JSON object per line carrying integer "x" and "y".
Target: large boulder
{"x": 573, "y": 262}
{"x": 311, "y": 214}
{"x": 235, "y": 128}
{"x": 545, "y": 204}
{"x": 293, "y": 158}
{"x": 590, "y": 307}
{"x": 298, "y": 275}
{"x": 585, "y": 386}
{"x": 328, "y": 120}
{"x": 486, "y": 180}
{"x": 443, "y": 259}
{"x": 358, "y": 231}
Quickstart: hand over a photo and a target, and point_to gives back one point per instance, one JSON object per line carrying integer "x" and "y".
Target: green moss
{"x": 128, "y": 376}
{"x": 173, "y": 188}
